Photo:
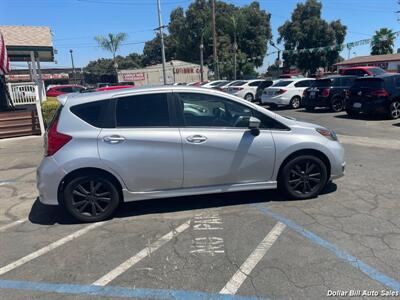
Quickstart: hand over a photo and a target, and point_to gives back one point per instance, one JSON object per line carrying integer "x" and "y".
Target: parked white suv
{"x": 245, "y": 89}
{"x": 286, "y": 92}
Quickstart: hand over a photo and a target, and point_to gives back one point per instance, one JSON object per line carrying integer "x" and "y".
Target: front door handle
{"x": 196, "y": 139}
{"x": 113, "y": 139}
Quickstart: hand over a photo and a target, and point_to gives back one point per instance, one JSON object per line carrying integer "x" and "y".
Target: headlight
{"x": 329, "y": 134}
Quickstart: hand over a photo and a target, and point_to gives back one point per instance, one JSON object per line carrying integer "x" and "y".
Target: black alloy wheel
{"x": 303, "y": 177}
{"x": 394, "y": 110}
{"x": 91, "y": 198}
{"x": 337, "y": 104}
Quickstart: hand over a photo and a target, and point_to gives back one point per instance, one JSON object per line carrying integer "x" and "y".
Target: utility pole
{"x": 73, "y": 66}
{"x": 201, "y": 58}
{"x": 162, "y": 41}
{"x": 235, "y": 47}
{"x": 216, "y": 67}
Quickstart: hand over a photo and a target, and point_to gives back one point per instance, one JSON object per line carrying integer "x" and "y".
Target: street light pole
{"x": 201, "y": 58}
{"x": 162, "y": 41}
{"x": 73, "y": 65}
{"x": 235, "y": 47}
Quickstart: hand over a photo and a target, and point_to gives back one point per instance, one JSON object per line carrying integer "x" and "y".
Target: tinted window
{"x": 397, "y": 81}
{"x": 255, "y": 83}
{"x": 368, "y": 83}
{"x": 92, "y": 113}
{"x": 303, "y": 83}
{"x": 322, "y": 83}
{"x": 201, "y": 110}
{"x": 67, "y": 89}
{"x": 347, "y": 81}
{"x": 239, "y": 83}
{"x": 265, "y": 84}
{"x": 268, "y": 122}
{"x": 283, "y": 83}
{"x": 356, "y": 72}
{"x": 143, "y": 111}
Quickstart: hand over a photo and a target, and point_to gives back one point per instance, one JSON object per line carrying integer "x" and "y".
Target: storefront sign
{"x": 133, "y": 76}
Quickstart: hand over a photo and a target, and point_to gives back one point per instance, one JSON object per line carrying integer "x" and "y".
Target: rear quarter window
{"x": 93, "y": 113}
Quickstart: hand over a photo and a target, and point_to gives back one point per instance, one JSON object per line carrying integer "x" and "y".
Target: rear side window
{"x": 92, "y": 113}
{"x": 255, "y": 83}
{"x": 303, "y": 83}
{"x": 143, "y": 111}
{"x": 356, "y": 72}
{"x": 239, "y": 83}
{"x": 283, "y": 83}
{"x": 322, "y": 83}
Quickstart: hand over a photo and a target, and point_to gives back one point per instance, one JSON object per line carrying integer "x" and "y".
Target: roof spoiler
{"x": 62, "y": 99}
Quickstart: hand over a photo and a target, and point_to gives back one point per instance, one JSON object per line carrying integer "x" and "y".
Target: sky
{"x": 75, "y": 23}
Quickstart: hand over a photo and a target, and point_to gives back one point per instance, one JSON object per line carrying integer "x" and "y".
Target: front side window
{"x": 202, "y": 110}
{"x": 149, "y": 110}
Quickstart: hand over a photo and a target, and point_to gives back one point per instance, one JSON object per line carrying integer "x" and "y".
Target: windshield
{"x": 282, "y": 83}
{"x": 377, "y": 71}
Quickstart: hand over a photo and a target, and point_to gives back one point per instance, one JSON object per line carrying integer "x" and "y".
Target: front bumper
{"x": 48, "y": 178}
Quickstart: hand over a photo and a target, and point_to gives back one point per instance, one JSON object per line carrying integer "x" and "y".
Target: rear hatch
{"x": 319, "y": 88}
{"x": 236, "y": 87}
{"x": 367, "y": 89}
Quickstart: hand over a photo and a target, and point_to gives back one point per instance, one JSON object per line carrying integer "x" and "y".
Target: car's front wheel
{"x": 91, "y": 198}
{"x": 303, "y": 177}
{"x": 295, "y": 102}
{"x": 394, "y": 110}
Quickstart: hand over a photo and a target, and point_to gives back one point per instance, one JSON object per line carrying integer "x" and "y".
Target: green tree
{"x": 307, "y": 29}
{"x": 382, "y": 41}
{"x": 152, "y": 50}
{"x": 249, "y": 24}
{"x": 111, "y": 42}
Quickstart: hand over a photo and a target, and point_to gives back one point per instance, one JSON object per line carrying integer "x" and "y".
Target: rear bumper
{"x": 48, "y": 178}
{"x": 374, "y": 106}
{"x": 316, "y": 102}
{"x": 278, "y": 100}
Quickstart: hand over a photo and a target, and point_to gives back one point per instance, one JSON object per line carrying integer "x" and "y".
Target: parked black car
{"x": 371, "y": 95}
{"x": 328, "y": 92}
{"x": 263, "y": 85}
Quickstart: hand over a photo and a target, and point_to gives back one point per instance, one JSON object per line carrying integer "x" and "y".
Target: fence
{"x": 23, "y": 93}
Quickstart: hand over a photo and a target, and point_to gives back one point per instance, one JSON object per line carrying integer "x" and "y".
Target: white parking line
{"x": 240, "y": 276}
{"x": 48, "y": 248}
{"x": 5, "y": 227}
{"x": 110, "y": 276}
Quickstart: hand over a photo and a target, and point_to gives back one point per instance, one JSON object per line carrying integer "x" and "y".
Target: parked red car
{"x": 64, "y": 89}
{"x": 362, "y": 71}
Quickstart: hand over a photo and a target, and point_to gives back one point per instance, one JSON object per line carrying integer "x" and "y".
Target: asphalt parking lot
{"x": 237, "y": 245}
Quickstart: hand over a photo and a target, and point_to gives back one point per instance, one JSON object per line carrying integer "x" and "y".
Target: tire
{"x": 91, "y": 198}
{"x": 394, "y": 110}
{"x": 303, "y": 177}
{"x": 249, "y": 97}
{"x": 309, "y": 108}
{"x": 351, "y": 113}
{"x": 337, "y": 104}
{"x": 295, "y": 102}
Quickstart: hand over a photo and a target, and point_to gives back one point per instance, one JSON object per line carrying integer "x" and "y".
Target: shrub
{"x": 49, "y": 108}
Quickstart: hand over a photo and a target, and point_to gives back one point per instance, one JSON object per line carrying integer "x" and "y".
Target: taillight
{"x": 380, "y": 93}
{"x": 304, "y": 93}
{"x": 55, "y": 139}
{"x": 325, "y": 93}
{"x": 280, "y": 91}
{"x": 237, "y": 88}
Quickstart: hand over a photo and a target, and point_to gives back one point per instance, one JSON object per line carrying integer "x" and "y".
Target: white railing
{"x": 23, "y": 93}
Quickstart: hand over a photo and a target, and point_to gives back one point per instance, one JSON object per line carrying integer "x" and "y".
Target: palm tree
{"x": 111, "y": 43}
{"x": 383, "y": 41}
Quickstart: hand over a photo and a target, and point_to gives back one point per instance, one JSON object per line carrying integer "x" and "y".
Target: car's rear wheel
{"x": 337, "y": 104}
{"x": 249, "y": 97}
{"x": 295, "y": 102}
{"x": 303, "y": 177}
{"x": 394, "y": 110}
{"x": 91, "y": 198}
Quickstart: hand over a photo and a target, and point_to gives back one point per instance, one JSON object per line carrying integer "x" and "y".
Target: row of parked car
{"x": 367, "y": 90}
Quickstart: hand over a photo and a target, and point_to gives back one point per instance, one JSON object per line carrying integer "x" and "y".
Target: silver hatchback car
{"x": 104, "y": 148}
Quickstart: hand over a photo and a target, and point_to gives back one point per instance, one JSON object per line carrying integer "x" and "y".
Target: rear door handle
{"x": 113, "y": 139}
{"x": 196, "y": 139}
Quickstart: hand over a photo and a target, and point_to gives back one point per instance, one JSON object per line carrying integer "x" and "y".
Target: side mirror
{"x": 254, "y": 123}
{"x": 254, "y": 126}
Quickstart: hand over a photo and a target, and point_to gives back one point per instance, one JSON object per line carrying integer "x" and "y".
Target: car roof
{"x": 296, "y": 79}
{"x": 75, "y": 98}
{"x": 338, "y": 76}
{"x": 360, "y": 67}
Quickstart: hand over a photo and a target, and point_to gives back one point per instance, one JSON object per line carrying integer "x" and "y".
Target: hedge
{"x": 49, "y": 108}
